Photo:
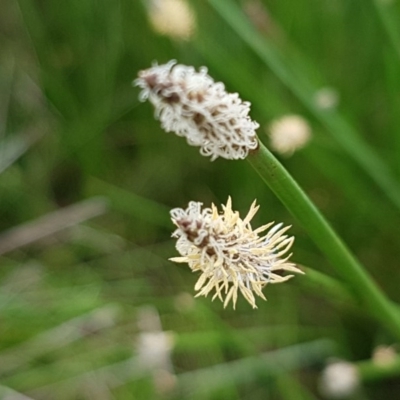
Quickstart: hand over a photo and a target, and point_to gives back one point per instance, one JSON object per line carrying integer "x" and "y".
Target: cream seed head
{"x": 229, "y": 254}
{"x": 288, "y": 134}
{"x": 191, "y": 104}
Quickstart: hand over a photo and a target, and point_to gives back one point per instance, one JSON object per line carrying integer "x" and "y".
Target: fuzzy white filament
{"x": 192, "y": 105}
{"x": 230, "y": 255}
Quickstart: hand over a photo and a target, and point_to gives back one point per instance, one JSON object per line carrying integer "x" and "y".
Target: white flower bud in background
{"x": 326, "y": 98}
{"x": 154, "y": 347}
{"x": 184, "y": 302}
{"x": 340, "y": 379}
{"x": 384, "y": 356}
{"x": 230, "y": 255}
{"x": 172, "y": 18}
{"x": 191, "y": 104}
{"x": 288, "y": 134}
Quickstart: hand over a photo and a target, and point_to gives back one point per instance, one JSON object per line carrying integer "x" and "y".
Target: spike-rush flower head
{"x": 191, "y": 104}
{"x": 230, "y": 255}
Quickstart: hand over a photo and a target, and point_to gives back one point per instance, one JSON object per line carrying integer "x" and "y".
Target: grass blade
{"x": 50, "y": 224}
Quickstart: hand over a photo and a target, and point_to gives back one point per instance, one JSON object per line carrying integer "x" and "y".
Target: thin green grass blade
{"x": 131, "y": 203}
{"x": 390, "y": 26}
{"x": 51, "y": 223}
{"x": 57, "y": 337}
{"x": 12, "y": 148}
{"x": 289, "y": 389}
{"x": 371, "y": 371}
{"x": 247, "y": 369}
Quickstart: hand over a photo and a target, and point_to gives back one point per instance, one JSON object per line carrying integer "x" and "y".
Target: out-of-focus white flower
{"x": 184, "y": 302}
{"x": 339, "y": 379}
{"x": 230, "y": 255}
{"x": 288, "y": 134}
{"x": 154, "y": 347}
{"x": 153, "y": 344}
{"x": 192, "y": 105}
{"x": 173, "y": 18}
{"x": 384, "y": 356}
{"x": 326, "y": 98}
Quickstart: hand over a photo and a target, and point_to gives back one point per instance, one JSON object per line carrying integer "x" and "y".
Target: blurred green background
{"x": 88, "y": 298}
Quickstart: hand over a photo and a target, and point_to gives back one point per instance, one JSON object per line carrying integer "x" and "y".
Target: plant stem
{"x": 301, "y": 207}
{"x": 384, "y": 12}
{"x": 334, "y": 290}
{"x": 130, "y": 203}
{"x": 370, "y": 371}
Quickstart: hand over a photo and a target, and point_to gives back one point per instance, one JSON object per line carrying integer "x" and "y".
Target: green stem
{"x": 371, "y": 371}
{"x": 245, "y": 370}
{"x": 130, "y": 203}
{"x": 318, "y": 282}
{"x": 388, "y": 24}
{"x": 301, "y": 207}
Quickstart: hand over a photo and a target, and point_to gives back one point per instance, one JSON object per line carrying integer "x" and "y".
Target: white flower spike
{"x": 230, "y": 255}
{"x": 192, "y": 105}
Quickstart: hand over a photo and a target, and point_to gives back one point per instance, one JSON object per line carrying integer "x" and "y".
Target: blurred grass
{"x": 71, "y": 127}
